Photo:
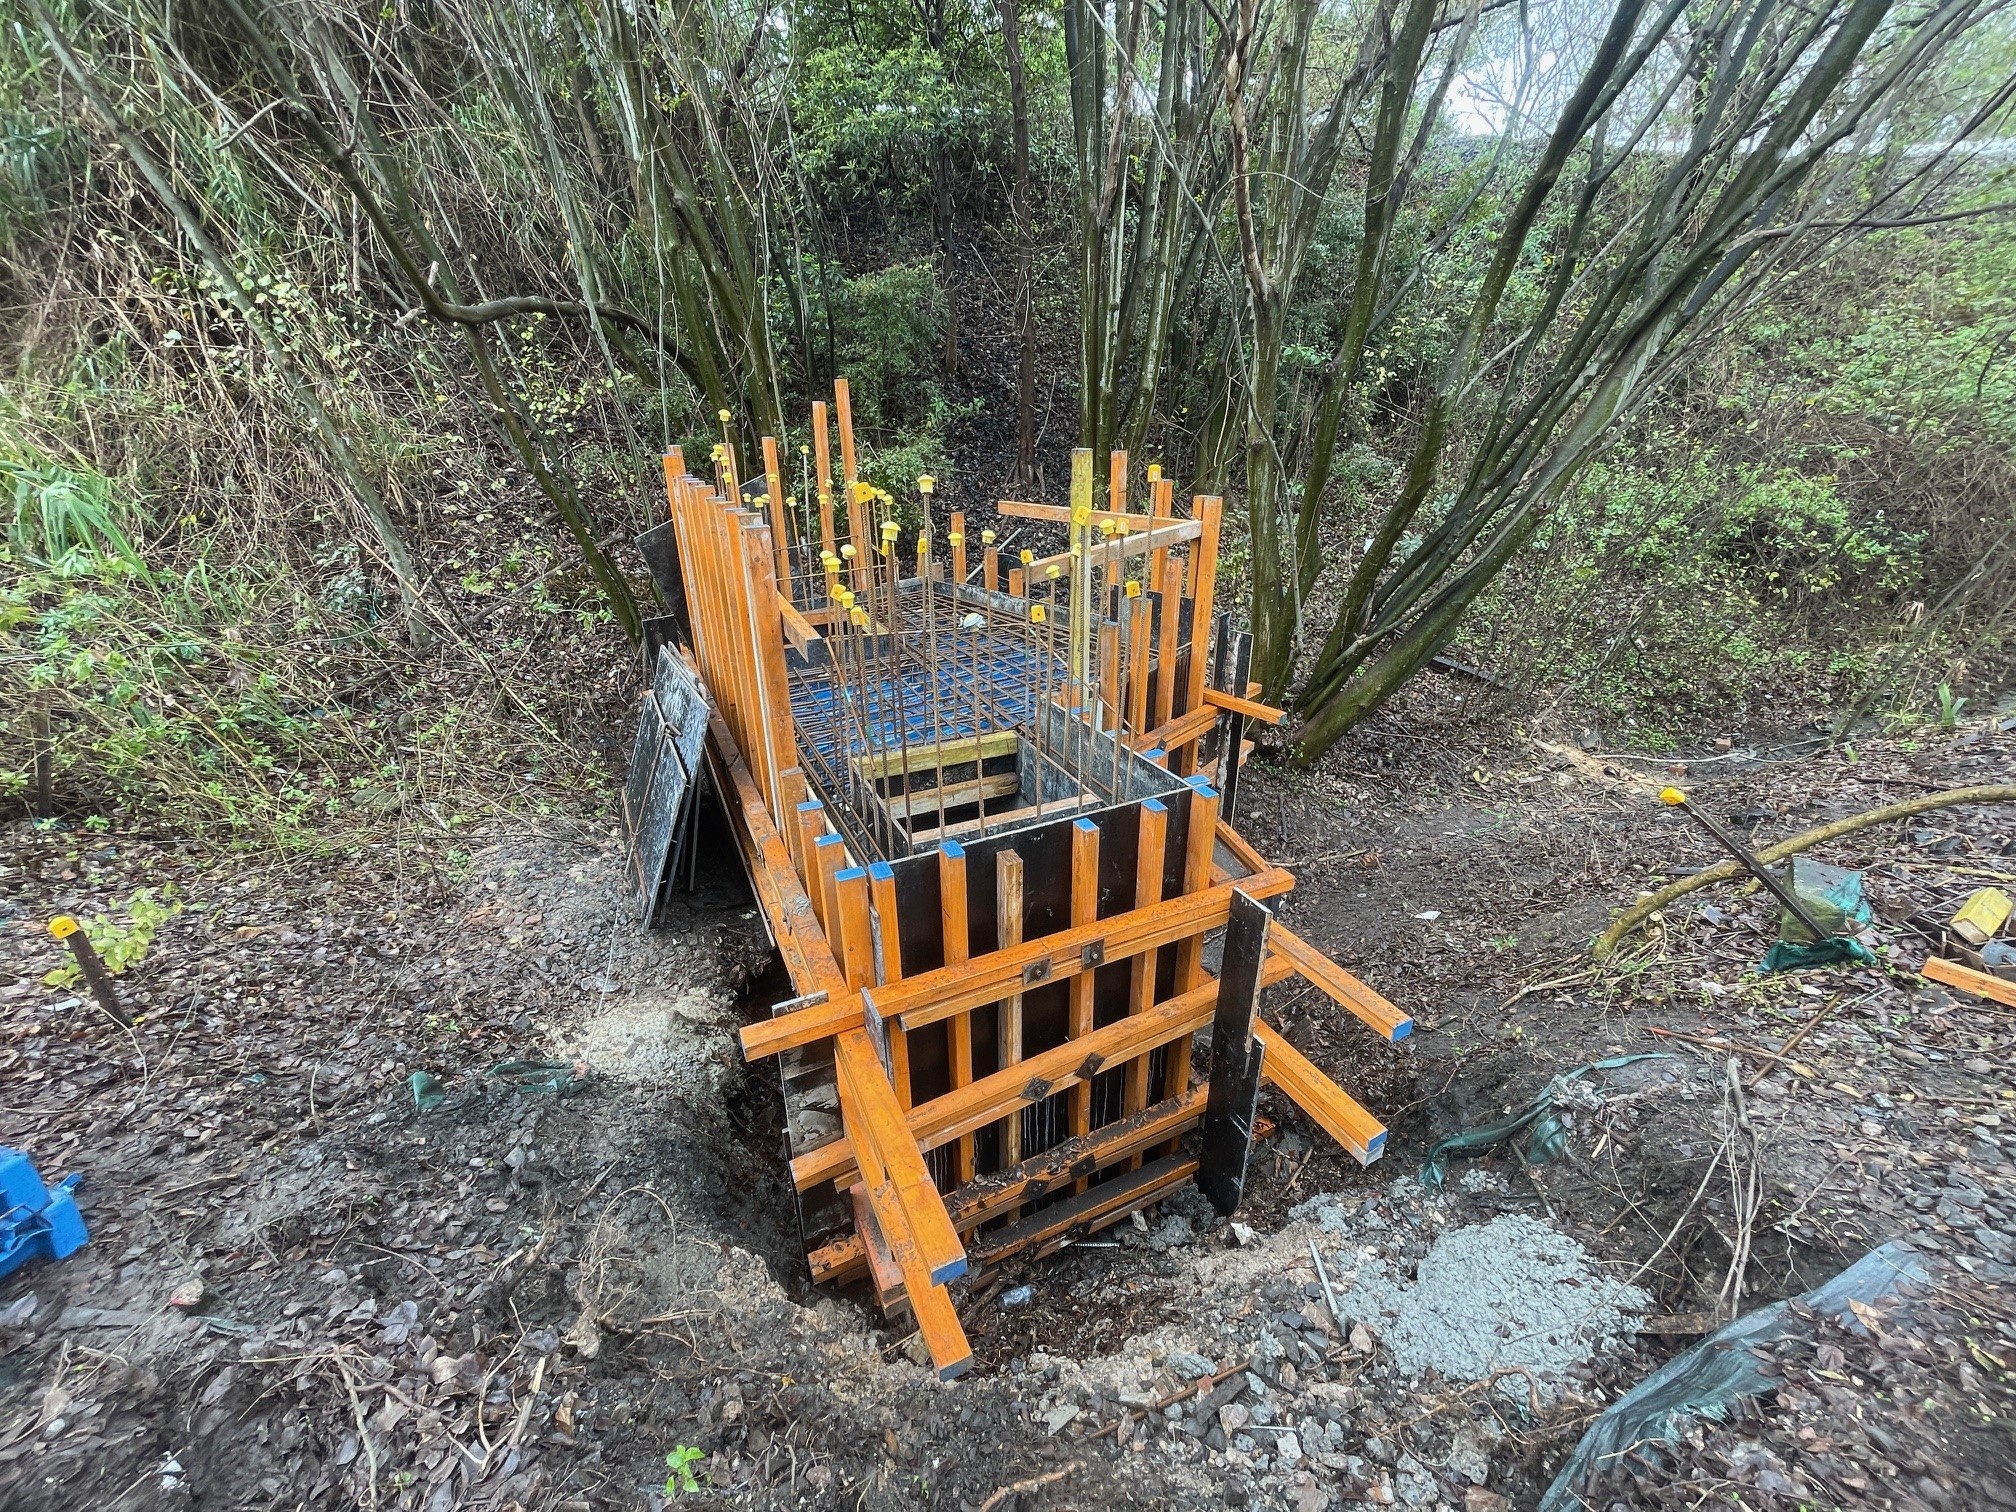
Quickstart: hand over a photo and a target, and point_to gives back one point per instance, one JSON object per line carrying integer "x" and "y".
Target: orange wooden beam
{"x": 1337, "y": 984}
{"x": 1013, "y": 1087}
{"x": 1321, "y": 1098}
{"x": 1979, "y": 983}
{"x": 1058, "y": 957}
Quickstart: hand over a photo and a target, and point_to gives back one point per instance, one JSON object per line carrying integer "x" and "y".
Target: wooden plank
{"x": 889, "y": 968}
{"x": 1342, "y": 988}
{"x": 800, "y": 940}
{"x": 797, "y": 629}
{"x": 935, "y": 995}
{"x": 988, "y": 1196}
{"x": 925, "y": 802}
{"x": 1169, "y": 581}
{"x": 1150, "y": 845}
{"x": 811, "y": 830}
{"x": 883, "y": 1148}
{"x": 930, "y": 1305}
{"x": 829, "y": 859}
{"x": 1179, "y": 731}
{"x": 822, "y": 464}
{"x": 1322, "y": 1099}
{"x": 1979, "y": 983}
{"x": 1140, "y": 633}
{"x": 843, "y": 407}
{"x": 1209, "y": 513}
{"x": 1060, "y": 514}
{"x": 1072, "y": 1161}
{"x": 1027, "y": 1082}
{"x": 1236, "y": 1059}
{"x": 1161, "y": 506}
{"x": 1199, "y": 841}
{"x": 793, "y": 784}
{"x": 953, "y": 925}
{"x": 842, "y": 1259}
{"x": 999, "y": 821}
{"x": 857, "y": 945}
{"x": 780, "y": 516}
{"x": 767, "y": 653}
{"x": 1050, "y": 1229}
{"x": 1265, "y": 713}
{"x": 1084, "y": 912}
{"x": 885, "y": 1276}
{"x": 1008, "y": 913}
{"x": 967, "y": 748}
{"x": 1119, "y": 548}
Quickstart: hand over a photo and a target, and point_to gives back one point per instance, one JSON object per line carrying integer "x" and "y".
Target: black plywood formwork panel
{"x": 662, "y": 790}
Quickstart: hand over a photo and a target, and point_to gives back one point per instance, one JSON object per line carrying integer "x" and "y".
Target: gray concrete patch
{"x": 1504, "y": 1295}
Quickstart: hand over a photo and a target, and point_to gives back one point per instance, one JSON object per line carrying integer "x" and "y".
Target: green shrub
{"x": 1799, "y": 537}
{"x": 887, "y": 326}
{"x": 57, "y": 509}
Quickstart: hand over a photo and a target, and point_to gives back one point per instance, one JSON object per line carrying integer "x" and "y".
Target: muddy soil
{"x": 302, "y": 1290}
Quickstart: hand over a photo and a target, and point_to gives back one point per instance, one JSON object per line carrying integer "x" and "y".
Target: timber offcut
{"x": 986, "y": 801}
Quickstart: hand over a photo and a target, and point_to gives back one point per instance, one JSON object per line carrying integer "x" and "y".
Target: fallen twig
{"x": 1726, "y": 1047}
{"x": 1203, "y": 1384}
{"x": 1793, "y": 1043}
{"x": 1033, "y": 1483}
{"x": 1724, "y": 871}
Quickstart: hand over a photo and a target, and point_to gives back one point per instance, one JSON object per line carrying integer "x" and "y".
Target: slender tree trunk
{"x": 1025, "y": 255}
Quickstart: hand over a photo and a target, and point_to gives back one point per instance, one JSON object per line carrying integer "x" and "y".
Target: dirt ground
{"x": 302, "y": 1290}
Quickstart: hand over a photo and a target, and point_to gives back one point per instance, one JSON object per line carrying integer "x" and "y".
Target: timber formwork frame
{"x": 981, "y": 817}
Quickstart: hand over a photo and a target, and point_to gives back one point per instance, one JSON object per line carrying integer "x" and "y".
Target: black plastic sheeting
{"x": 1705, "y": 1380}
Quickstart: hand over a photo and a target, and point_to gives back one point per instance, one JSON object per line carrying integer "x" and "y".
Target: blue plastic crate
{"x": 37, "y": 1223}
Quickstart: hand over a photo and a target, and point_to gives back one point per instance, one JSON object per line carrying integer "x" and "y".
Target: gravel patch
{"x": 1509, "y": 1294}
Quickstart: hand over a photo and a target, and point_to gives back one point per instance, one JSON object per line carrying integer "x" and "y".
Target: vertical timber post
{"x": 952, "y": 924}
{"x": 1008, "y": 918}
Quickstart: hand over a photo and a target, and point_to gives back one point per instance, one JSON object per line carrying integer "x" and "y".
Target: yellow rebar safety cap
{"x": 63, "y": 926}
{"x": 1672, "y": 796}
